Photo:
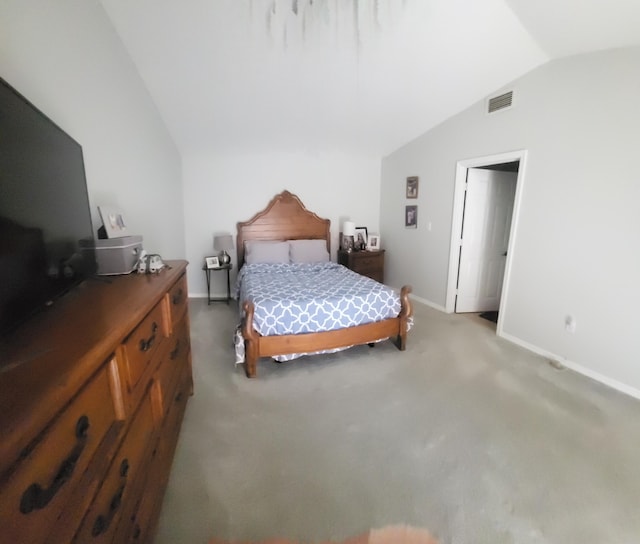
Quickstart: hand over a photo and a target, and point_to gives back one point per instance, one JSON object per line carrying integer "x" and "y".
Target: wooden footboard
{"x": 257, "y": 346}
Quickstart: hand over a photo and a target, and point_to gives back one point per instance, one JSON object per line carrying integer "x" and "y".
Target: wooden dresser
{"x": 92, "y": 395}
{"x": 367, "y": 263}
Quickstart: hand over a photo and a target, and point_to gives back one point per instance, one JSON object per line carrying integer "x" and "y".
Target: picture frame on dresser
{"x": 113, "y": 223}
{"x": 373, "y": 242}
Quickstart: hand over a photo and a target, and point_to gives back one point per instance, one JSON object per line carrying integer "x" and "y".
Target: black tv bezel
{"x": 89, "y": 267}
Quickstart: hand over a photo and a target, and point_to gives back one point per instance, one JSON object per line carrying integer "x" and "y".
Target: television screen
{"x": 44, "y": 211}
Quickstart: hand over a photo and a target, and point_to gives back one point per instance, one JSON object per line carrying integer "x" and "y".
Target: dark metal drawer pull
{"x": 145, "y": 345}
{"x": 177, "y": 298}
{"x": 175, "y": 352}
{"x": 102, "y": 522}
{"x": 35, "y": 497}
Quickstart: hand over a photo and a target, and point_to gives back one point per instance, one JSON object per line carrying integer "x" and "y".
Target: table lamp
{"x": 222, "y": 243}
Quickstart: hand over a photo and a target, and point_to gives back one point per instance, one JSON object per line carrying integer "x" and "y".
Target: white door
{"x": 488, "y": 209}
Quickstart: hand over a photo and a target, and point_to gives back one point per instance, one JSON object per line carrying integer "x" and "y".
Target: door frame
{"x": 458, "y": 218}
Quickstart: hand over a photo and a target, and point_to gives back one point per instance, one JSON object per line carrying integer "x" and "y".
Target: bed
{"x": 286, "y": 219}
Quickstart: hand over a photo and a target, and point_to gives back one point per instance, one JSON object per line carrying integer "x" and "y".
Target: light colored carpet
{"x": 399, "y": 534}
{"x": 464, "y": 434}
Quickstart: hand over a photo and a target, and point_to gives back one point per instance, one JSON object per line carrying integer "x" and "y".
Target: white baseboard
{"x": 609, "y": 382}
{"x": 428, "y": 303}
{"x": 213, "y": 295}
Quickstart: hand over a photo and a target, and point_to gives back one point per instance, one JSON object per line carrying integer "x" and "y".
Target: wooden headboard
{"x": 284, "y": 218}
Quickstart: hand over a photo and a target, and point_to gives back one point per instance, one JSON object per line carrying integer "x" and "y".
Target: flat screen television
{"x": 44, "y": 211}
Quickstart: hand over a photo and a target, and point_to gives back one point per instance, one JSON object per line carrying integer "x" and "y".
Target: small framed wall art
{"x": 411, "y": 217}
{"x": 412, "y": 187}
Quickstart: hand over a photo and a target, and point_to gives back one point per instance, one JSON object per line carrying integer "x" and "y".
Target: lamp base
{"x": 224, "y": 258}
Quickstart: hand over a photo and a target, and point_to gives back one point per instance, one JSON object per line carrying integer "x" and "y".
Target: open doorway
{"x": 486, "y": 206}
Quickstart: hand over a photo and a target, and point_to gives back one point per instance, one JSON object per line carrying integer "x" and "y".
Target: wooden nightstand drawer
{"x": 367, "y": 263}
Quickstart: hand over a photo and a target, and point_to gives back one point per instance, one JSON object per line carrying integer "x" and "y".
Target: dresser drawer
{"x": 43, "y": 480}
{"x": 176, "y": 406}
{"x": 141, "y": 346}
{"x": 173, "y": 362}
{"x": 135, "y": 523}
{"x": 178, "y": 298}
{"x": 104, "y": 514}
{"x": 139, "y": 517}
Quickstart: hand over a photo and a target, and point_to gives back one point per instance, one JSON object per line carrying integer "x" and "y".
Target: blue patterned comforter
{"x": 298, "y": 298}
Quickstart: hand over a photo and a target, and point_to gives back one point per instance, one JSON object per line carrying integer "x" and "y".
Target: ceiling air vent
{"x": 500, "y": 102}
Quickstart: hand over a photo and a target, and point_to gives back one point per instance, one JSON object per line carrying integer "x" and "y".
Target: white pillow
{"x": 257, "y": 251}
{"x": 309, "y": 251}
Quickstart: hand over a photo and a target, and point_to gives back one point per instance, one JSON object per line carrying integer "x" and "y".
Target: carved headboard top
{"x": 284, "y": 218}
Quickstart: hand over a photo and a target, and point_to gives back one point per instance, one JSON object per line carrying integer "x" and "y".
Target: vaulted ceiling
{"x": 361, "y": 76}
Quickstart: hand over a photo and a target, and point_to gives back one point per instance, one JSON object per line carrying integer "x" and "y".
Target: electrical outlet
{"x": 570, "y": 324}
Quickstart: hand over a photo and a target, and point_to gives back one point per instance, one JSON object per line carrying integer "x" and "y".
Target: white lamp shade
{"x": 348, "y": 228}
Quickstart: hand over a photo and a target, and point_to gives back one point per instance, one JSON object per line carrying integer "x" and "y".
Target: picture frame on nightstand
{"x": 360, "y": 240}
{"x": 212, "y": 262}
{"x": 373, "y": 244}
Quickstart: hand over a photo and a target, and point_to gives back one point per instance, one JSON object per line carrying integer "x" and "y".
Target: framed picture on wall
{"x": 411, "y": 217}
{"x": 412, "y": 187}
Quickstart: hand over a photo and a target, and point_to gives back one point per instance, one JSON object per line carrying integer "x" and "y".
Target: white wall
{"x": 65, "y": 58}
{"x": 221, "y": 190}
{"x": 576, "y": 251}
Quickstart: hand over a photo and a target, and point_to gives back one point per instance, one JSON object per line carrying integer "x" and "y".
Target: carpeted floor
{"x": 398, "y": 534}
{"x": 465, "y": 434}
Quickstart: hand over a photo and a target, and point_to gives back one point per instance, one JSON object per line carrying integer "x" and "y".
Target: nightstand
{"x": 207, "y": 271}
{"x": 367, "y": 263}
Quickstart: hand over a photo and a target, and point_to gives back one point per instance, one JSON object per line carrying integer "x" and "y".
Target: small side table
{"x": 207, "y": 272}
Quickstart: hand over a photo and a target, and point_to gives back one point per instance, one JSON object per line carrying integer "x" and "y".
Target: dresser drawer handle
{"x": 175, "y": 352}
{"x": 102, "y": 523}
{"x": 124, "y": 468}
{"x": 145, "y": 345}
{"x": 35, "y": 497}
{"x": 177, "y": 298}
